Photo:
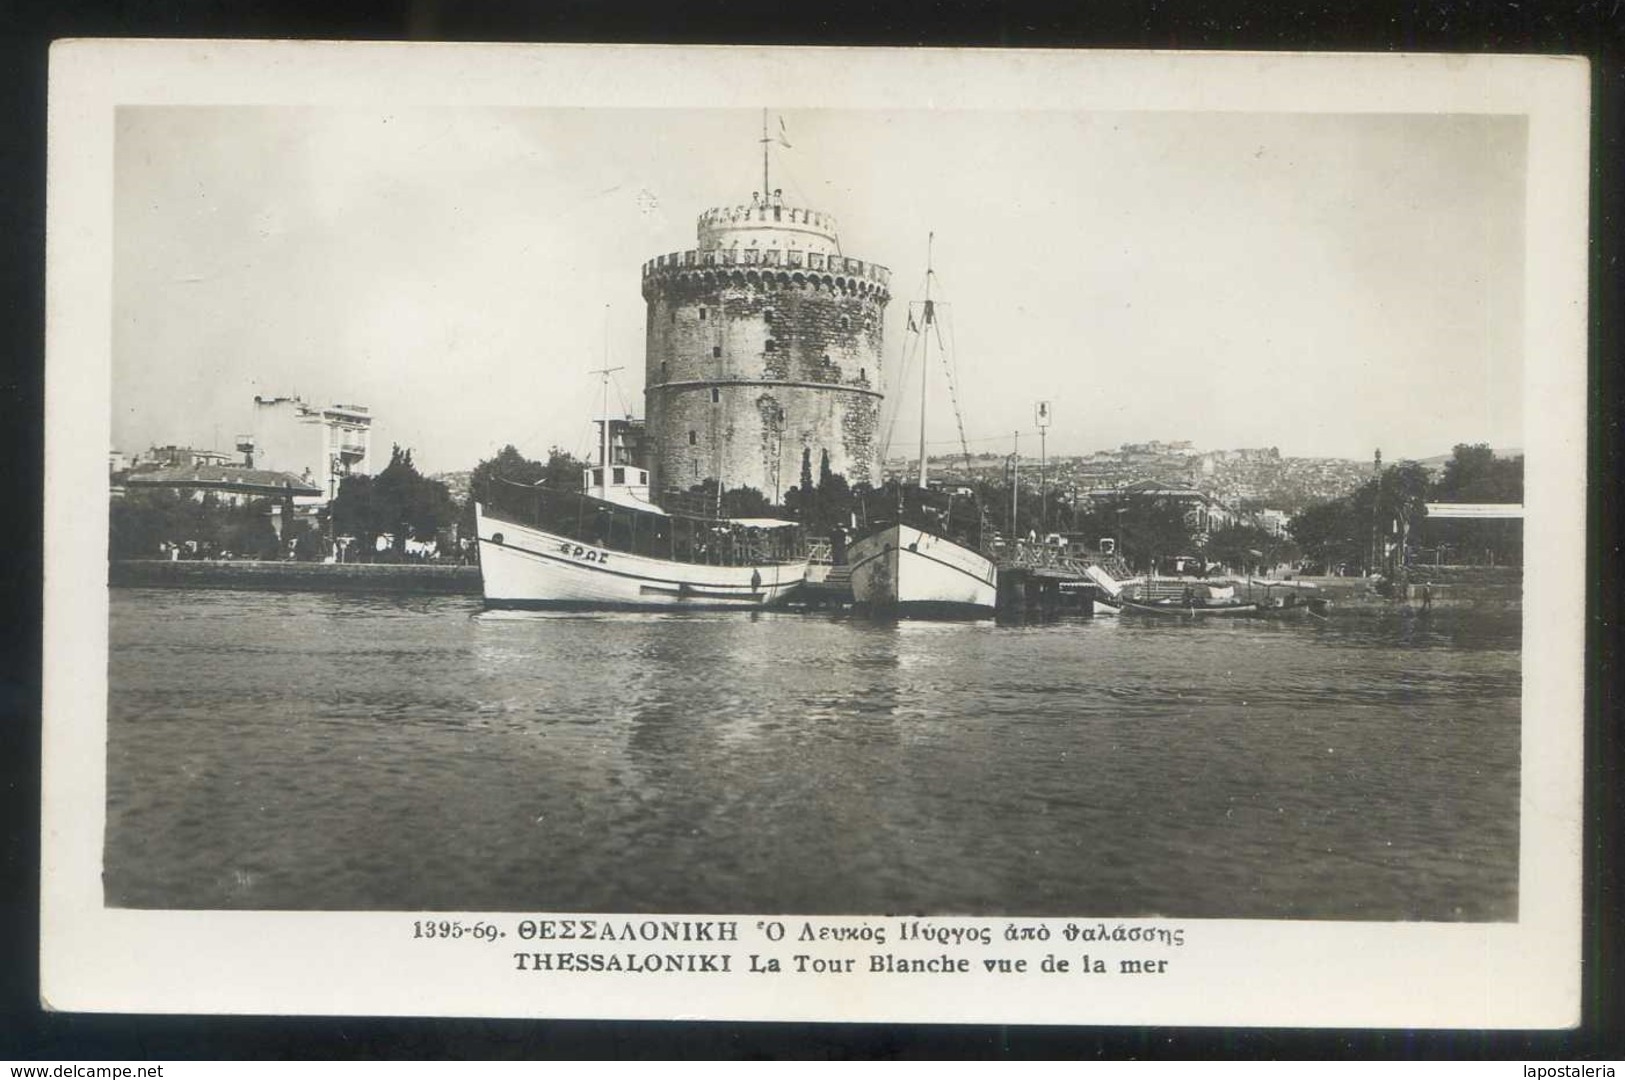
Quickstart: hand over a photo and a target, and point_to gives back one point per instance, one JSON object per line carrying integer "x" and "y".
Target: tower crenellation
{"x": 762, "y": 342}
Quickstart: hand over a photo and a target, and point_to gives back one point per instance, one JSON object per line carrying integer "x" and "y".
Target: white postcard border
{"x": 1229, "y": 972}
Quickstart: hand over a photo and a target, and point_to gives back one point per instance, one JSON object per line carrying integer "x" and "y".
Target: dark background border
{"x": 1595, "y": 28}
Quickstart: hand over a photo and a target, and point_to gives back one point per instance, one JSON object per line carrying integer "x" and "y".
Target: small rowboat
{"x": 1173, "y": 610}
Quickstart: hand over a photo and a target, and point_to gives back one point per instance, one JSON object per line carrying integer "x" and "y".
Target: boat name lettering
{"x": 585, "y": 554}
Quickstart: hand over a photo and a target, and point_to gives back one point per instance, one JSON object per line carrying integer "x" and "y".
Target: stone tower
{"x": 762, "y": 342}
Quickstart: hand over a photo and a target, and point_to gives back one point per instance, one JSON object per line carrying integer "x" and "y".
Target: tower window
{"x": 716, "y": 395}
{"x": 716, "y": 351}
{"x": 693, "y": 437}
{"x": 673, "y": 314}
{"x": 863, "y": 374}
{"x": 662, "y": 371}
{"x": 702, "y": 314}
{"x": 771, "y": 345}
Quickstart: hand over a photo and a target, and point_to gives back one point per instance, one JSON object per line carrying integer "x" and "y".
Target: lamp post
{"x": 1041, "y": 413}
{"x": 1015, "y": 484}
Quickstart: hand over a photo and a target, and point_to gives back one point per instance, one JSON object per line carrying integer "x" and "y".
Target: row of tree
{"x": 157, "y": 522}
{"x": 398, "y": 502}
{"x": 1378, "y": 528}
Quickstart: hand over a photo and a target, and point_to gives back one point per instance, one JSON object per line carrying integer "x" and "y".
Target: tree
{"x": 1237, "y": 547}
{"x": 399, "y": 502}
{"x": 561, "y": 471}
{"x": 1029, "y": 507}
{"x": 834, "y": 499}
{"x": 1475, "y": 475}
{"x": 353, "y": 512}
{"x": 246, "y": 531}
{"x": 801, "y": 501}
{"x": 508, "y": 464}
{"x": 1401, "y": 505}
{"x": 1248, "y": 548}
{"x": 304, "y": 540}
{"x": 1147, "y": 529}
{"x": 142, "y": 521}
{"x": 739, "y": 502}
{"x": 1370, "y": 528}
{"x": 1328, "y": 534}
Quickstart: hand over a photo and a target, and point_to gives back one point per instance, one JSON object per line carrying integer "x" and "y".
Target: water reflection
{"x": 331, "y": 752}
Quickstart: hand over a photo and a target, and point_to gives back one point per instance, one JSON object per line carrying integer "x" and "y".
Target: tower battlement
{"x": 770, "y": 266}
{"x": 720, "y": 226}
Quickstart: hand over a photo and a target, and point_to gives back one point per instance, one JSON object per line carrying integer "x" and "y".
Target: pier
{"x": 1047, "y": 580}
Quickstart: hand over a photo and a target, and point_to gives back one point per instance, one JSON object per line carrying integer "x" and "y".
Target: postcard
{"x": 1039, "y": 537}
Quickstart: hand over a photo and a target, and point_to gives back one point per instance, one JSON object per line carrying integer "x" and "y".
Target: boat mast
{"x": 925, "y": 350}
{"x": 603, "y": 412}
{"x": 603, "y": 416}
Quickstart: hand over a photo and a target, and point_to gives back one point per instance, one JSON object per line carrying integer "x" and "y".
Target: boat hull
{"x": 912, "y": 573}
{"x": 525, "y": 567}
{"x": 1184, "y": 611}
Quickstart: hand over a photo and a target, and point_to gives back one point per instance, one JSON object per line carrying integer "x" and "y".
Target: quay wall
{"x": 297, "y": 577}
{"x": 1453, "y": 588}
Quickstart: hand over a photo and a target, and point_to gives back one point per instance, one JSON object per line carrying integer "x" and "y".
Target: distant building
{"x": 1202, "y": 511}
{"x": 1274, "y": 522}
{"x": 320, "y": 445}
{"x": 181, "y": 457}
{"x": 232, "y": 485}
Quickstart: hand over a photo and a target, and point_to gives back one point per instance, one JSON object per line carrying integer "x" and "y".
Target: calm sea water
{"x": 306, "y": 751}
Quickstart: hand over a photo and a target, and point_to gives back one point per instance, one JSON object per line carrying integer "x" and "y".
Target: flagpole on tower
{"x": 766, "y": 191}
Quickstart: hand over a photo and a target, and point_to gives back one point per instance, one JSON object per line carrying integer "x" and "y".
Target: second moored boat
{"x": 919, "y": 568}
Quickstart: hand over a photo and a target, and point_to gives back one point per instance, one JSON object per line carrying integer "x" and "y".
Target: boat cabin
{"x": 625, "y": 523}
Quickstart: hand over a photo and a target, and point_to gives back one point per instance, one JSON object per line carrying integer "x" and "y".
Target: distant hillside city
{"x": 1247, "y": 480}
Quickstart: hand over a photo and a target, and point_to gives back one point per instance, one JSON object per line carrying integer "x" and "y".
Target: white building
{"x": 321, "y": 445}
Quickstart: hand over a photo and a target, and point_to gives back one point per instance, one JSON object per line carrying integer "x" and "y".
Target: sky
{"x": 1324, "y": 284}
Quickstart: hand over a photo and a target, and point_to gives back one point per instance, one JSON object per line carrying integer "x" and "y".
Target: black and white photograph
{"x": 1022, "y": 502}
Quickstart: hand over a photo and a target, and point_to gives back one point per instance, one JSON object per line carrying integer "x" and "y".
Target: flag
{"x": 784, "y": 134}
{"x": 911, "y": 327}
